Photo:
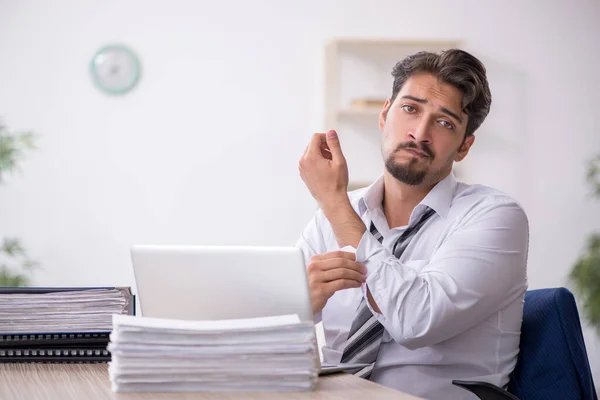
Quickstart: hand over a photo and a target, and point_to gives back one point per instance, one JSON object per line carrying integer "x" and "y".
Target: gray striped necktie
{"x": 366, "y": 331}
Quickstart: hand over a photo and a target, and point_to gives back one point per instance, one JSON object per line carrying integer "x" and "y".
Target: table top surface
{"x": 90, "y": 381}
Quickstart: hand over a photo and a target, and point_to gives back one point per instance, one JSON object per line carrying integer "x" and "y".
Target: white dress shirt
{"x": 452, "y": 305}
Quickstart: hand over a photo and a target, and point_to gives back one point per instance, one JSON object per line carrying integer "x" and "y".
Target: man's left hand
{"x": 324, "y": 170}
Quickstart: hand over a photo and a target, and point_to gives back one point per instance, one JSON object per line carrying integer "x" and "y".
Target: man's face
{"x": 424, "y": 131}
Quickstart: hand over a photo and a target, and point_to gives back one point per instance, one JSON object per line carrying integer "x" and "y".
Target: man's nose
{"x": 422, "y": 131}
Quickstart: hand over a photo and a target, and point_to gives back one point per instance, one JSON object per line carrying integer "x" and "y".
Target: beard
{"x": 410, "y": 173}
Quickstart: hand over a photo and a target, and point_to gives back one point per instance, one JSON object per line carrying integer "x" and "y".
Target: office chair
{"x": 552, "y": 362}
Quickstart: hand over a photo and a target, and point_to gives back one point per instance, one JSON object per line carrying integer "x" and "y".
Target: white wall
{"x": 205, "y": 150}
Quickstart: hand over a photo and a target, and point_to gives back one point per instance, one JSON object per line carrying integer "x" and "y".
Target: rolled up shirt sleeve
{"x": 479, "y": 269}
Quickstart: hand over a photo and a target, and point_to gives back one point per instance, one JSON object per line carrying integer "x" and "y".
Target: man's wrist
{"x": 337, "y": 205}
{"x": 346, "y": 224}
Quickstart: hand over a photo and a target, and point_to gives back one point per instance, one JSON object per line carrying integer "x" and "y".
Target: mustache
{"x": 420, "y": 147}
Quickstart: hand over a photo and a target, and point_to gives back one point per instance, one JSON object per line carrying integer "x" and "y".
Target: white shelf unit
{"x": 360, "y": 69}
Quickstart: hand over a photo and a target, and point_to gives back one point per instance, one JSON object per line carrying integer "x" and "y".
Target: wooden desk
{"x": 90, "y": 381}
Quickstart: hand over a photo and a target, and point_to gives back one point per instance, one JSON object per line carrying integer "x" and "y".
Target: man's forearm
{"x": 348, "y": 229}
{"x": 347, "y": 226}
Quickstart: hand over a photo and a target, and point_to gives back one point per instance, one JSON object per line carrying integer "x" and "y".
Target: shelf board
{"x": 358, "y": 112}
{"x": 388, "y": 42}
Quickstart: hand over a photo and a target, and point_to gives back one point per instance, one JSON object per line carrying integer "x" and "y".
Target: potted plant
{"x": 585, "y": 274}
{"x": 15, "y": 264}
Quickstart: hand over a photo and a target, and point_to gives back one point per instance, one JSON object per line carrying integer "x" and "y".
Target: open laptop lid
{"x": 220, "y": 282}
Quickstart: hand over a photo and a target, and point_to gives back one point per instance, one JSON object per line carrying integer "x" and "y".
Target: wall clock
{"x": 115, "y": 69}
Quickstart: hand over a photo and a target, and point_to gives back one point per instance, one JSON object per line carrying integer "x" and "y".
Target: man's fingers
{"x": 334, "y": 254}
{"x": 333, "y": 142}
{"x": 306, "y": 150}
{"x": 326, "y": 265}
{"x": 314, "y": 147}
{"x": 343, "y": 273}
{"x": 325, "y": 152}
{"x": 327, "y": 146}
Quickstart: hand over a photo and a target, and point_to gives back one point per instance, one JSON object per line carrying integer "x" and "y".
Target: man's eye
{"x": 408, "y": 109}
{"x": 446, "y": 124}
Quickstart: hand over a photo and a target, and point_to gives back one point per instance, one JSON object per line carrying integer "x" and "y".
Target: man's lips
{"x": 417, "y": 153}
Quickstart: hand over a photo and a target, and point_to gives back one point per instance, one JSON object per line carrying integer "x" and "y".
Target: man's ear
{"x": 464, "y": 149}
{"x": 383, "y": 113}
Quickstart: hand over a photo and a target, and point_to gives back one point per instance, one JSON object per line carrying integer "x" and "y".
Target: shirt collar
{"x": 372, "y": 197}
{"x": 439, "y": 198}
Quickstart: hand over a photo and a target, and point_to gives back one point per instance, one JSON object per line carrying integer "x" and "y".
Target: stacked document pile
{"x": 33, "y": 310}
{"x": 59, "y": 324}
{"x": 259, "y": 354}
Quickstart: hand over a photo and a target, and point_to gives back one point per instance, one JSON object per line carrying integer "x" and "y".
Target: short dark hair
{"x": 457, "y": 68}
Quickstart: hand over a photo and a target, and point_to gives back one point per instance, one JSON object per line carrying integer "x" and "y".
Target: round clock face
{"x": 115, "y": 69}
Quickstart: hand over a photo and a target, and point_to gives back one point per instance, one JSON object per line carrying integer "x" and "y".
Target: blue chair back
{"x": 553, "y": 362}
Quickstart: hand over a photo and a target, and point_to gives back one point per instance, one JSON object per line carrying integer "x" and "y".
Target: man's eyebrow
{"x": 418, "y": 100}
{"x": 450, "y": 113}
{"x": 442, "y": 109}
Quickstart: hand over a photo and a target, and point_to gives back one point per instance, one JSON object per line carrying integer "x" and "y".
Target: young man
{"x": 418, "y": 275}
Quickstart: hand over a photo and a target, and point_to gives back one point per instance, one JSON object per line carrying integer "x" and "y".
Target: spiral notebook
{"x": 59, "y": 324}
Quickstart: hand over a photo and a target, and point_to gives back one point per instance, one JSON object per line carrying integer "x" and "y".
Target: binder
{"x": 59, "y": 345}
{"x": 56, "y": 355}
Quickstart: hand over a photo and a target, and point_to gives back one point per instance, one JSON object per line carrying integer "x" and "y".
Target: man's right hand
{"x": 330, "y": 272}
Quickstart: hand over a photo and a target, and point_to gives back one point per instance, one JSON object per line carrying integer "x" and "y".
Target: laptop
{"x": 223, "y": 282}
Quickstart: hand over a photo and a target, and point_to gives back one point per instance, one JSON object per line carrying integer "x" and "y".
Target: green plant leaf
{"x": 585, "y": 275}
{"x": 29, "y": 265}
{"x": 8, "y": 278}
{"x": 12, "y": 148}
{"x": 26, "y": 140}
{"x": 13, "y": 247}
{"x": 593, "y": 175}
{"x": 19, "y": 260}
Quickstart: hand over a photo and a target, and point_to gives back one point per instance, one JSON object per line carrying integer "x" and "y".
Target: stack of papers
{"x": 35, "y": 310}
{"x": 258, "y": 354}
